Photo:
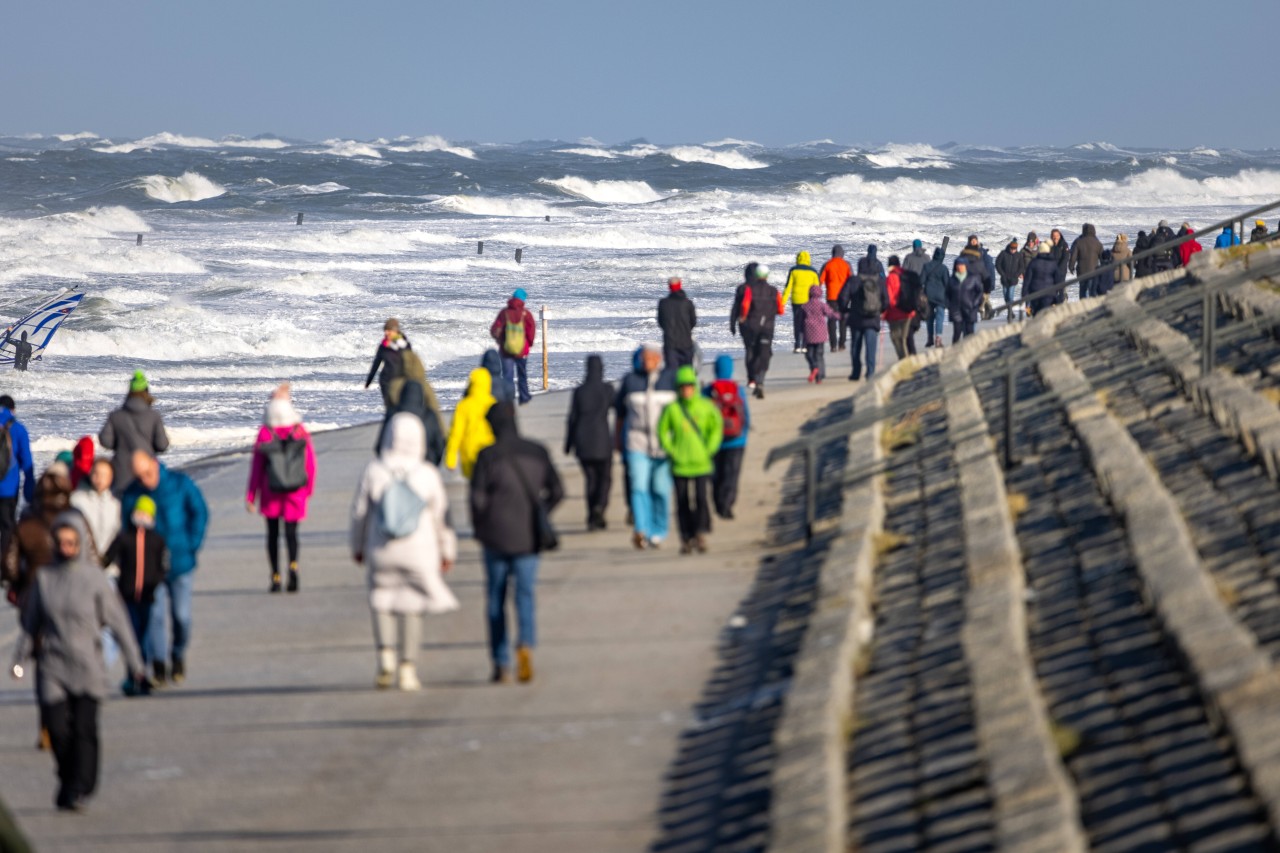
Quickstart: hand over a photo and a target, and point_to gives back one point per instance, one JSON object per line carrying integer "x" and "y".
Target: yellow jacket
{"x": 800, "y": 278}
{"x": 470, "y": 432}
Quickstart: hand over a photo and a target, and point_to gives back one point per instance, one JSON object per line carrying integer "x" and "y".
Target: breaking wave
{"x": 606, "y": 192}
{"x": 190, "y": 186}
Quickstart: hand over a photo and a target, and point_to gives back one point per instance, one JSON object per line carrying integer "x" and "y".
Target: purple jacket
{"x": 816, "y": 313}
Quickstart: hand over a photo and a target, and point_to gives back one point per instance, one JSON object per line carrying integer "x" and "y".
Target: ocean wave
{"x": 730, "y": 142}
{"x": 357, "y": 241}
{"x": 431, "y": 143}
{"x": 190, "y": 186}
{"x": 348, "y": 148}
{"x": 112, "y": 218}
{"x": 174, "y": 140}
{"x": 75, "y": 137}
{"x": 595, "y": 237}
{"x": 317, "y": 189}
{"x": 605, "y": 192}
{"x": 897, "y": 156}
{"x": 491, "y": 206}
{"x": 602, "y": 153}
{"x": 697, "y": 154}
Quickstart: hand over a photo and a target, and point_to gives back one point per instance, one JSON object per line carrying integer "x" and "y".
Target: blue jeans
{"x": 858, "y": 339}
{"x": 519, "y": 367}
{"x": 1008, "y": 294}
{"x": 651, "y": 487}
{"x": 173, "y": 598}
{"x": 937, "y": 319}
{"x": 498, "y": 571}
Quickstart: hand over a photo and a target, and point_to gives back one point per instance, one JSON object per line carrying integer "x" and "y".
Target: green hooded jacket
{"x": 690, "y": 432}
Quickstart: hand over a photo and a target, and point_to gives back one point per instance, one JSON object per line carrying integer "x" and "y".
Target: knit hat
{"x": 1044, "y": 248}
{"x": 139, "y": 382}
{"x": 762, "y": 272}
{"x": 686, "y": 375}
{"x": 1261, "y": 223}
{"x": 917, "y": 244}
{"x": 1164, "y": 223}
{"x": 520, "y": 294}
{"x": 65, "y": 458}
{"x": 674, "y": 283}
{"x": 145, "y": 505}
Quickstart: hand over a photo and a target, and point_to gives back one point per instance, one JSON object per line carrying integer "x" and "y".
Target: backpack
{"x": 513, "y": 335}
{"x": 724, "y": 393}
{"x": 6, "y": 450}
{"x": 908, "y": 292}
{"x": 286, "y": 463}
{"x": 400, "y": 509}
{"x": 869, "y": 286}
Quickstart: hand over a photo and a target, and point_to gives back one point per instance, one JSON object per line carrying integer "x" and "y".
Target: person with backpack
{"x": 691, "y": 431}
{"x": 1259, "y": 232}
{"x": 504, "y": 390}
{"x": 817, "y": 314}
{"x": 834, "y": 274}
{"x": 867, "y": 300}
{"x": 513, "y": 492}
{"x": 143, "y": 558}
{"x": 514, "y": 330}
{"x": 588, "y": 435}
{"x": 388, "y": 361}
{"x": 17, "y": 469}
{"x": 933, "y": 281}
{"x": 801, "y": 280}
{"x": 134, "y": 426}
{"x": 735, "y": 415}
{"x": 757, "y": 312}
{"x": 469, "y": 433}
{"x": 677, "y": 318}
{"x": 423, "y": 406}
{"x": 401, "y": 534}
{"x": 282, "y": 477}
{"x": 900, "y": 309}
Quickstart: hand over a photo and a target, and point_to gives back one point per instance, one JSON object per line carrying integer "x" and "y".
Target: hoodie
{"x": 691, "y": 431}
{"x": 504, "y": 390}
{"x": 587, "y": 432}
{"x": 1189, "y": 248}
{"x": 677, "y": 318}
{"x": 934, "y": 279}
{"x": 21, "y": 475}
{"x": 639, "y": 404}
{"x": 801, "y": 280}
{"x": 133, "y": 426}
{"x": 724, "y": 384}
{"x": 470, "y": 433}
{"x": 515, "y": 312}
{"x": 510, "y": 475}
{"x": 816, "y": 313}
{"x": 1227, "y": 239}
{"x": 835, "y": 273}
{"x": 1086, "y": 252}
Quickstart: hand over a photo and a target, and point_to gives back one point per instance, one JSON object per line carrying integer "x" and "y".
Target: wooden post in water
{"x": 543, "y": 314}
{"x": 139, "y": 239}
{"x": 519, "y": 252}
{"x": 480, "y": 247}
{"x": 299, "y": 217}
{"x": 548, "y": 217}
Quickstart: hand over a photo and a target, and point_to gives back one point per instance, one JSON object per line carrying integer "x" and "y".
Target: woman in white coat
{"x": 402, "y": 535}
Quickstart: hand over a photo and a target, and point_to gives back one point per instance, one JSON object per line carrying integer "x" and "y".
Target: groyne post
{"x": 299, "y": 217}
{"x": 480, "y": 247}
{"x": 542, "y": 313}
{"x": 519, "y": 254}
{"x": 139, "y": 239}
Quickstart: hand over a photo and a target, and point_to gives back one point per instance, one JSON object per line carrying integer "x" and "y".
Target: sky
{"x": 1174, "y": 73}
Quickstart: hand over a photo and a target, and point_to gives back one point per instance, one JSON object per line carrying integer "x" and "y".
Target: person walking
{"x": 514, "y": 330}
{"x": 589, "y": 436}
{"x": 1188, "y": 248}
{"x": 69, "y": 605}
{"x": 642, "y": 396}
{"x": 913, "y": 276}
{"x": 134, "y": 426}
{"x": 400, "y": 533}
{"x": 969, "y": 301}
{"x": 817, "y": 318}
{"x": 388, "y": 361}
{"x": 1085, "y": 257}
{"x": 101, "y": 509}
{"x": 934, "y": 280}
{"x": 17, "y": 469}
{"x": 1009, "y": 268}
{"x": 735, "y": 415}
{"x": 1259, "y": 232}
{"x": 30, "y": 547}
{"x": 801, "y": 279}
{"x": 867, "y": 300}
{"x": 282, "y": 478}
{"x": 691, "y": 430}
{"x": 142, "y": 557}
{"x": 1169, "y": 257}
{"x": 1121, "y": 254}
{"x": 504, "y": 391}
{"x": 758, "y": 313}
{"x": 1059, "y": 251}
{"x": 677, "y": 318}
{"x": 897, "y": 312}
{"x": 182, "y": 517}
{"x": 1040, "y": 283}
{"x": 513, "y": 492}
{"x": 469, "y": 433}
{"x": 422, "y": 404}
{"x": 835, "y": 273}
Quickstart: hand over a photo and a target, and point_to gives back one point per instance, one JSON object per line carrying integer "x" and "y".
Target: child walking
{"x": 816, "y": 314}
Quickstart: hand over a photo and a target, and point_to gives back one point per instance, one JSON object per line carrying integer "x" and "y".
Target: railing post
{"x": 1208, "y": 325}
{"x": 810, "y": 491}
{"x": 1010, "y": 417}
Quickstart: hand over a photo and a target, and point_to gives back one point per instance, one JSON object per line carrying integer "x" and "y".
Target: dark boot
{"x": 159, "y": 676}
{"x": 275, "y": 582}
{"x": 179, "y": 673}
{"x": 293, "y": 577}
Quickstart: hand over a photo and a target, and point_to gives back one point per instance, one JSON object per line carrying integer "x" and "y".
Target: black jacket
{"x": 1061, "y": 254}
{"x": 762, "y": 312}
{"x": 852, "y": 306}
{"x": 587, "y": 432}
{"x": 968, "y": 296}
{"x": 1009, "y": 267}
{"x": 413, "y": 399}
{"x": 1041, "y": 276}
{"x": 1169, "y": 258}
{"x": 390, "y": 360}
{"x": 676, "y": 318}
{"x": 503, "y": 513}
{"x": 934, "y": 279}
{"x": 152, "y": 558}
{"x": 1086, "y": 252}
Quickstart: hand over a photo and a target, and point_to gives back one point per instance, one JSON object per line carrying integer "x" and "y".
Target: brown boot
{"x": 524, "y": 664}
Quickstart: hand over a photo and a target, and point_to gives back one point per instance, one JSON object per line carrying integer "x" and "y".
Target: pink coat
{"x": 292, "y": 506}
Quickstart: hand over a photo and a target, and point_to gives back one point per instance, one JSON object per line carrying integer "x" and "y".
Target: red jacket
{"x": 514, "y": 310}
{"x": 893, "y": 284}
{"x": 1189, "y": 248}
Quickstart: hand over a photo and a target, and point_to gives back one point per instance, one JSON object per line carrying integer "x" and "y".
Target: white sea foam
{"x": 602, "y": 153}
{"x": 110, "y": 218}
{"x": 492, "y": 206}
{"x": 357, "y": 241}
{"x": 1205, "y": 152}
{"x": 730, "y": 142}
{"x": 318, "y": 189}
{"x": 895, "y": 156}
{"x": 348, "y": 148}
{"x": 73, "y": 137}
{"x": 173, "y": 140}
{"x": 606, "y": 192}
{"x": 431, "y": 143}
{"x": 190, "y": 186}
{"x": 698, "y": 154}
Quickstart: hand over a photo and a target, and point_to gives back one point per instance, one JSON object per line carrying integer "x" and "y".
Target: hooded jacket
{"x": 182, "y": 516}
{"x": 414, "y": 401}
{"x": 515, "y": 312}
{"x": 390, "y": 359}
{"x": 470, "y": 433}
{"x": 143, "y": 560}
{"x": 1009, "y": 266}
{"x": 934, "y": 279}
{"x": 21, "y": 473}
{"x": 968, "y": 296}
{"x": 1171, "y": 256}
{"x": 31, "y": 545}
{"x": 801, "y": 279}
{"x": 870, "y": 272}
{"x": 724, "y": 379}
{"x": 404, "y": 574}
{"x": 71, "y": 601}
{"x": 1189, "y": 248}
{"x": 509, "y": 477}
{"x": 739, "y": 294}
{"x": 503, "y": 389}
{"x": 1086, "y": 252}
{"x": 981, "y": 264}
{"x": 1227, "y": 239}
{"x": 835, "y": 273}
{"x": 587, "y": 432}
{"x": 816, "y": 313}
{"x": 893, "y": 285}
{"x": 760, "y": 308}
{"x": 914, "y": 263}
{"x": 638, "y": 407}
{"x": 133, "y": 426}
{"x": 1121, "y": 253}
{"x": 81, "y": 460}
{"x": 677, "y": 318}
{"x": 1043, "y": 274}
{"x": 291, "y": 506}
{"x": 691, "y": 431}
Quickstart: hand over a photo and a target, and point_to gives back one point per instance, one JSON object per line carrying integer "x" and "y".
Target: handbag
{"x": 545, "y": 537}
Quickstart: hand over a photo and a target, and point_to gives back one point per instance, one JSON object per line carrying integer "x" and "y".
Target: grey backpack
{"x": 399, "y": 509}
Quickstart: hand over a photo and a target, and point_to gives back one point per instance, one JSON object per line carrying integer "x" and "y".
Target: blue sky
{"x": 1131, "y": 72}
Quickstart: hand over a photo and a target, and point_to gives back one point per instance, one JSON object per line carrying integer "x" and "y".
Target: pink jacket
{"x": 292, "y": 506}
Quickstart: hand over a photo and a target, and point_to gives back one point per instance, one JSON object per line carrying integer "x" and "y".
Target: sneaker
{"x": 158, "y": 677}
{"x": 386, "y": 669}
{"x": 524, "y": 664}
{"x": 293, "y": 577}
{"x": 179, "y": 673}
{"x": 655, "y": 542}
{"x": 637, "y": 539}
{"x": 853, "y": 377}
{"x": 501, "y": 675}
{"x": 759, "y": 392}
{"x": 275, "y": 582}
{"x": 407, "y": 679}
{"x": 700, "y": 544}
{"x": 813, "y": 375}
{"x": 751, "y": 385}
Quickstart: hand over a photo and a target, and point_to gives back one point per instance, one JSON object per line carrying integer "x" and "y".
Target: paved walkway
{"x": 279, "y": 741}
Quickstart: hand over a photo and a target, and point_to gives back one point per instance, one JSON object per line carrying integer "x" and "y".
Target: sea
{"x": 227, "y": 295}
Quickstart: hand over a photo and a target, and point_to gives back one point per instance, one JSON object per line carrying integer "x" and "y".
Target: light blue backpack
{"x": 399, "y": 509}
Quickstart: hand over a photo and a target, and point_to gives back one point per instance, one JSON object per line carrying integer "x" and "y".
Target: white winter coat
{"x": 102, "y": 511}
{"x": 404, "y": 573}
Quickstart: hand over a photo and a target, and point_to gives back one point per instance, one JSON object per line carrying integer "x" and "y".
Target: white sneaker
{"x": 386, "y": 669}
{"x": 408, "y": 681}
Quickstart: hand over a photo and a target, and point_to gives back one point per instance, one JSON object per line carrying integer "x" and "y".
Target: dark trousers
{"x": 73, "y": 733}
{"x": 693, "y": 511}
{"x": 813, "y": 353}
{"x": 598, "y": 477}
{"x": 837, "y": 327}
{"x": 899, "y": 334}
{"x": 797, "y": 324}
{"x": 759, "y": 346}
{"x": 860, "y": 339}
{"x": 677, "y": 357}
{"x": 964, "y": 328}
{"x": 140, "y": 618}
{"x": 273, "y": 542}
{"x": 725, "y": 480}
{"x": 8, "y": 520}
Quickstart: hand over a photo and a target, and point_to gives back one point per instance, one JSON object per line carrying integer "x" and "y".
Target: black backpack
{"x": 286, "y": 463}
{"x": 908, "y": 292}
{"x": 6, "y": 450}
{"x": 869, "y": 285}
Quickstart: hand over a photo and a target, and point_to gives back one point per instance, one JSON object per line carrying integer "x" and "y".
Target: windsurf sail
{"x": 39, "y": 325}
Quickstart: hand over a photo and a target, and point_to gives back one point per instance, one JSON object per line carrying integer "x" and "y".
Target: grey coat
{"x": 65, "y": 611}
{"x": 133, "y": 426}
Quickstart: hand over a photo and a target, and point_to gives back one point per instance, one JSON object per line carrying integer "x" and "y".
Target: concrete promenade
{"x": 278, "y": 740}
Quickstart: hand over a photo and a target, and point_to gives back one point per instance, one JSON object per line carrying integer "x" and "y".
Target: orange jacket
{"x": 835, "y": 273}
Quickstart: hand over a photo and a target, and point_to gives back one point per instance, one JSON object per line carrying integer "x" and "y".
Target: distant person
{"x": 388, "y": 361}
{"x": 1143, "y": 265}
{"x": 143, "y": 560}
{"x": 21, "y": 352}
{"x": 100, "y": 508}
{"x": 1170, "y": 257}
{"x": 1009, "y": 268}
{"x": 470, "y": 433}
{"x": 758, "y": 313}
{"x": 504, "y": 390}
{"x": 817, "y": 318}
{"x": 132, "y": 427}
{"x": 62, "y": 622}
{"x": 735, "y": 415}
{"x": 1029, "y": 250}
{"x": 800, "y": 281}
{"x": 982, "y": 265}
{"x": 866, "y": 299}
{"x": 1188, "y": 248}
{"x": 835, "y": 273}
{"x": 82, "y": 459}
{"x": 400, "y": 533}
{"x": 1105, "y": 281}
{"x": 1121, "y": 254}
{"x": 969, "y": 301}
{"x": 677, "y": 319}
{"x": 588, "y": 435}
{"x": 17, "y": 469}
{"x": 1041, "y": 280}
{"x": 691, "y": 430}
{"x": 1259, "y": 232}
{"x": 1228, "y": 238}
{"x": 514, "y": 489}
{"x": 934, "y": 280}
{"x": 30, "y": 546}
{"x": 1059, "y": 251}
{"x": 913, "y": 271}
{"x": 282, "y": 478}
{"x": 642, "y": 396}
{"x": 739, "y": 294}
{"x": 514, "y": 330}
{"x": 421, "y": 404}
{"x": 1085, "y": 256}
{"x": 182, "y": 517}
{"x": 897, "y": 312}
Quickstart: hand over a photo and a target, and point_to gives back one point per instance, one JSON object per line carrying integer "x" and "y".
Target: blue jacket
{"x": 181, "y": 516}
{"x": 724, "y": 370}
{"x": 1227, "y": 239}
{"x": 20, "y": 463}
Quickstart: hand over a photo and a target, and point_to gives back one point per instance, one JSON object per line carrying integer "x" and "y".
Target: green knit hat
{"x": 686, "y": 375}
{"x": 145, "y": 505}
{"x": 138, "y": 383}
